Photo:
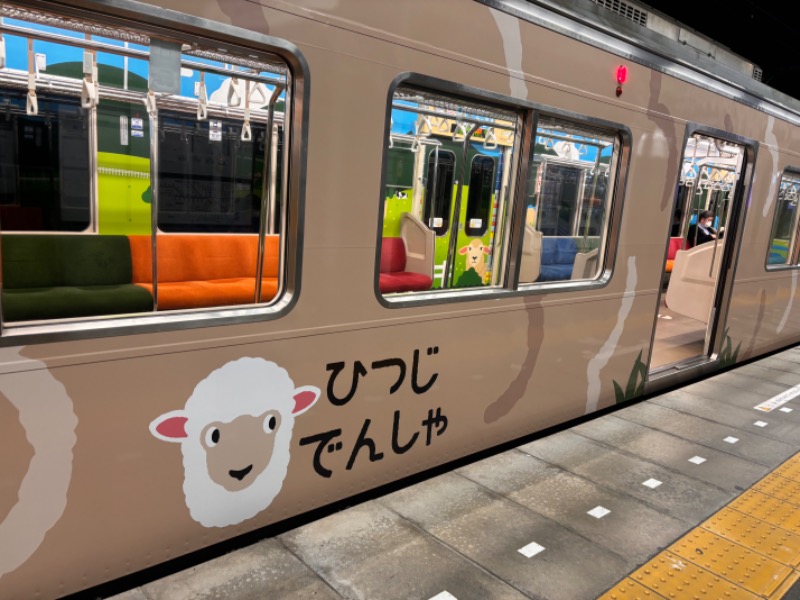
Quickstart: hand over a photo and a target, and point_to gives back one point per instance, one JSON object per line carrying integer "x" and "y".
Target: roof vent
{"x": 624, "y": 10}
{"x": 757, "y": 73}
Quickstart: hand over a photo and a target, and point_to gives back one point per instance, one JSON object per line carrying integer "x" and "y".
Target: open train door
{"x": 701, "y": 249}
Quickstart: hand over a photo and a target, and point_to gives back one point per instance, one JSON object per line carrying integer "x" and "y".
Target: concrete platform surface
{"x": 566, "y": 517}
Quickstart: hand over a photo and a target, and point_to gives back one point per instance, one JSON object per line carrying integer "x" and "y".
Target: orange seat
{"x": 205, "y": 270}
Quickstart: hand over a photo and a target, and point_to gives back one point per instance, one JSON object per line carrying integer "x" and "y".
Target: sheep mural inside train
{"x": 235, "y": 434}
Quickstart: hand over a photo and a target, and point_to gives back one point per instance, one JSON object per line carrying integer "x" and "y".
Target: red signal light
{"x": 622, "y": 74}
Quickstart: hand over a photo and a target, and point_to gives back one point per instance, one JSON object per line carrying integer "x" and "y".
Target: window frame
{"x": 528, "y": 113}
{"x": 189, "y": 29}
{"x": 793, "y": 254}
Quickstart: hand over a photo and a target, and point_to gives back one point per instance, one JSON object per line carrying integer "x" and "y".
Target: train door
{"x": 689, "y": 325}
{"x": 448, "y": 171}
{"x": 462, "y": 196}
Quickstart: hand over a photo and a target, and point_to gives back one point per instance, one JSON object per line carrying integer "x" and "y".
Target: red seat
{"x": 393, "y": 276}
{"x": 675, "y": 244}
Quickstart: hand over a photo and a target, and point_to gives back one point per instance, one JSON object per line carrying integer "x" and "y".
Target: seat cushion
{"x": 219, "y": 292}
{"x": 44, "y": 261}
{"x": 69, "y": 301}
{"x": 675, "y": 244}
{"x": 566, "y": 249}
{"x": 555, "y": 273}
{"x": 202, "y": 257}
{"x": 404, "y": 282}
{"x": 549, "y": 254}
{"x": 393, "y": 255}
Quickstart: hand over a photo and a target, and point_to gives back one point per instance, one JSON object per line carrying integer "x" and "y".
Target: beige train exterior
{"x": 505, "y": 367}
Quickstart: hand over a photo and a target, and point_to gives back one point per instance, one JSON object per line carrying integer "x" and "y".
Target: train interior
{"x": 136, "y": 174}
{"x": 710, "y": 177}
{"x": 449, "y": 190}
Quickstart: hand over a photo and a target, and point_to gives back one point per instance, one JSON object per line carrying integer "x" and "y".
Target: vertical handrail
{"x": 587, "y": 223}
{"x": 91, "y": 107}
{"x": 266, "y": 191}
{"x": 273, "y": 178}
{"x": 713, "y": 257}
{"x": 451, "y": 250}
{"x": 94, "y": 196}
{"x": 152, "y": 113}
{"x": 695, "y": 187}
{"x": 716, "y": 239}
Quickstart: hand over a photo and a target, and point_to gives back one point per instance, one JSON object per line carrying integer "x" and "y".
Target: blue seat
{"x": 558, "y": 257}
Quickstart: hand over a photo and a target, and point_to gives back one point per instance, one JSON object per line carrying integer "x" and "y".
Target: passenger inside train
{"x": 709, "y": 178}
{"x": 702, "y": 231}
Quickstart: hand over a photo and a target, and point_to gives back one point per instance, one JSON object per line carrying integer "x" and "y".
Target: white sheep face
{"x": 235, "y": 434}
{"x": 239, "y": 451}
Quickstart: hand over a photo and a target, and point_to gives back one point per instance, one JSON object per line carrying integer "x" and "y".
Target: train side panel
{"x": 360, "y": 394}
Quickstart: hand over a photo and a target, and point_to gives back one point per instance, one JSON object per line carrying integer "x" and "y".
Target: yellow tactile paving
{"x": 628, "y": 589}
{"x": 750, "y": 570}
{"x": 746, "y": 550}
{"x": 784, "y": 489}
{"x": 757, "y": 535}
{"x": 790, "y": 469}
{"x": 769, "y": 509}
{"x": 673, "y": 577}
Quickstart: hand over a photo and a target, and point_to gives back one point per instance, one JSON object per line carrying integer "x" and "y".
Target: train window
{"x": 44, "y": 159}
{"x": 569, "y": 202}
{"x": 447, "y": 193}
{"x": 209, "y": 185}
{"x": 479, "y": 201}
{"x": 783, "y": 240}
{"x": 136, "y": 175}
{"x": 439, "y": 190}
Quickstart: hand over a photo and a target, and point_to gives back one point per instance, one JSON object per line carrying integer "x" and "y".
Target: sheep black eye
{"x": 270, "y": 424}
{"x": 212, "y": 437}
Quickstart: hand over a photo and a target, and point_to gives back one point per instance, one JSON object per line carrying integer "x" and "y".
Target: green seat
{"x": 62, "y": 276}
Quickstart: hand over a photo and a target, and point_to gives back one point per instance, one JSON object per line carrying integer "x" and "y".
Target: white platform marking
{"x": 531, "y": 550}
{"x": 598, "y": 512}
{"x": 652, "y": 483}
{"x": 698, "y": 460}
{"x": 786, "y": 409}
{"x": 731, "y": 440}
{"x": 444, "y": 596}
{"x": 779, "y": 400}
{"x": 760, "y": 423}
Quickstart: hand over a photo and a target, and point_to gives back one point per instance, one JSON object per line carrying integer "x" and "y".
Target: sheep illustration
{"x": 474, "y": 256}
{"x": 235, "y": 434}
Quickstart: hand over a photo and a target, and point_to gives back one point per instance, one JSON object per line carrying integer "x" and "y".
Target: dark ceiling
{"x": 764, "y": 32}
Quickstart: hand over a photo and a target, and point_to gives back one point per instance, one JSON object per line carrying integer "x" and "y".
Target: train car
{"x": 260, "y": 257}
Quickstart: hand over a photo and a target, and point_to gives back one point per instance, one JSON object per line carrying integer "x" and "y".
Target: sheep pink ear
{"x": 487, "y": 250}
{"x": 463, "y": 250}
{"x": 304, "y": 398}
{"x": 170, "y": 427}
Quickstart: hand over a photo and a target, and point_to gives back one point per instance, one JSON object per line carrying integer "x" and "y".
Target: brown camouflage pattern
{"x": 504, "y": 368}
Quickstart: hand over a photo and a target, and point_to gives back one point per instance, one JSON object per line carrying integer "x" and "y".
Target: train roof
{"x": 703, "y": 63}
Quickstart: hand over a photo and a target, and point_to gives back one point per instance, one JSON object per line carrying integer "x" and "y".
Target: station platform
{"x": 694, "y": 493}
